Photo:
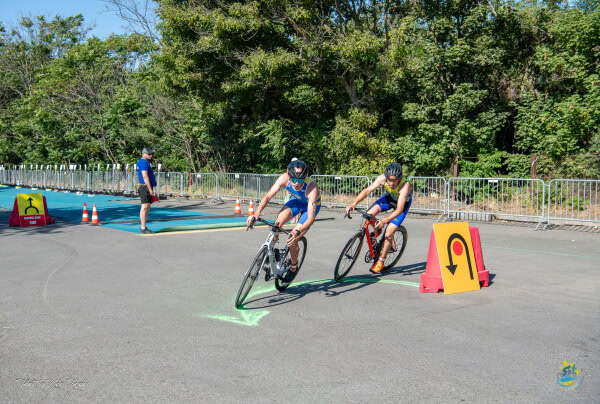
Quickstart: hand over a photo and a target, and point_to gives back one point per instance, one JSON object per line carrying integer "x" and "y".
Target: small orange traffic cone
{"x": 238, "y": 208}
{"x": 251, "y": 208}
{"x": 95, "y": 216}
{"x": 85, "y": 217}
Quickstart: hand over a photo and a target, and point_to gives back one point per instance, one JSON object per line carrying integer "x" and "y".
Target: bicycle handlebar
{"x": 363, "y": 213}
{"x": 271, "y": 225}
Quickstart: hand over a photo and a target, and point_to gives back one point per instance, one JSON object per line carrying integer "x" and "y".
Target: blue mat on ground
{"x": 69, "y": 206}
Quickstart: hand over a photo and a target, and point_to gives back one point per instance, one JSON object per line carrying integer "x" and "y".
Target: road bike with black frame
{"x": 352, "y": 248}
{"x": 275, "y": 262}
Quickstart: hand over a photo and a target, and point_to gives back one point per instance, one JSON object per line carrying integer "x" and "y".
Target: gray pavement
{"x": 91, "y": 314}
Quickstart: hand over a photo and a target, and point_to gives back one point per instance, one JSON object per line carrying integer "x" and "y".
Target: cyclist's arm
{"x": 402, "y": 199}
{"x": 281, "y": 181}
{"x": 365, "y": 192}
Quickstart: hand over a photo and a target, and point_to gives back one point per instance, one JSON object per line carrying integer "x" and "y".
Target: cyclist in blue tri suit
{"x": 305, "y": 200}
{"x": 397, "y": 197}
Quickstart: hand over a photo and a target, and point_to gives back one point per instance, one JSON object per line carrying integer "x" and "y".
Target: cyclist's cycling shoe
{"x": 377, "y": 267}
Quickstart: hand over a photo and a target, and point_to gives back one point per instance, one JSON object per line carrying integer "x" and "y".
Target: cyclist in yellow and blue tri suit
{"x": 397, "y": 197}
{"x": 305, "y": 200}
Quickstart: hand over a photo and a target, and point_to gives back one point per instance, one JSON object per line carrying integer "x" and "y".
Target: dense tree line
{"x": 347, "y": 85}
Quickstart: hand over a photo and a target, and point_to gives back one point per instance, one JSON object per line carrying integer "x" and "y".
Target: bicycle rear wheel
{"x": 348, "y": 256}
{"x": 251, "y": 275}
{"x": 279, "y": 283}
{"x": 397, "y": 248}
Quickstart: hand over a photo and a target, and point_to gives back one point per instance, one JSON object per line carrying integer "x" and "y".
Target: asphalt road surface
{"x": 92, "y": 314}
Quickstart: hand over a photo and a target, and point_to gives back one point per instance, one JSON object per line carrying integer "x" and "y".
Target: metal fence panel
{"x": 341, "y": 190}
{"x": 428, "y": 194}
{"x": 233, "y": 185}
{"x": 574, "y": 201}
{"x": 200, "y": 184}
{"x": 131, "y": 180}
{"x": 96, "y": 181}
{"x": 265, "y": 182}
{"x": 505, "y": 197}
{"x": 171, "y": 183}
{"x": 567, "y": 200}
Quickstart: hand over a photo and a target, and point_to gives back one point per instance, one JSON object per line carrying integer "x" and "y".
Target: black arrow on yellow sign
{"x": 31, "y": 206}
{"x": 452, "y": 266}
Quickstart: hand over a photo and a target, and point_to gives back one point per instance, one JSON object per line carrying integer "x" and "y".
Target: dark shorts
{"x": 386, "y": 202}
{"x": 145, "y": 196}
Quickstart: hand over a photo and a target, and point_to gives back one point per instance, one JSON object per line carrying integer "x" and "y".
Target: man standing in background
{"x": 146, "y": 187}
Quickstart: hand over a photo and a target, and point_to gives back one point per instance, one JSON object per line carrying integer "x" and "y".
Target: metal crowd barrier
{"x": 509, "y": 198}
{"x": 567, "y": 201}
{"x": 130, "y": 180}
{"x": 265, "y": 182}
{"x": 232, "y": 185}
{"x": 341, "y": 190}
{"x": 201, "y": 185}
{"x": 574, "y": 201}
{"x": 429, "y": 194}
{"x": 247, "y": 186}
{"x": 170, "y": 183}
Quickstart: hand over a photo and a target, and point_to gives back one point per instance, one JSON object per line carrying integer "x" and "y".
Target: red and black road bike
{"x": 375, "y": 241}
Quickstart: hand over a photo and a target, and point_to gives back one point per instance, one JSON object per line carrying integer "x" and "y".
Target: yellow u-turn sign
{"x": 457, "y": 259}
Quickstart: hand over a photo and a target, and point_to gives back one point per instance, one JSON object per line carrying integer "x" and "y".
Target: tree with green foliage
{"x": 347, "y": 85}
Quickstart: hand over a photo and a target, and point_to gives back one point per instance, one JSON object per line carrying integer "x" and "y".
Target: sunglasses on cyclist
{"x": 296, "y": 180}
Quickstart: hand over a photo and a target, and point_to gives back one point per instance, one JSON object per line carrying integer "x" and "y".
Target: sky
{"x": 94, "y": 13}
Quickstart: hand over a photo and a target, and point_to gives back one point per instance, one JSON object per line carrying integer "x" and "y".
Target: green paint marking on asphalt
{"x": 251, "y": 318}
{"x": 379, "y": 280}
{"x": 247, "y": 318}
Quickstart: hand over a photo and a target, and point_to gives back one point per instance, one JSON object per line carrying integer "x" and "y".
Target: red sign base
{"x": 431, "y": 280}
{"x": 31, "y": 220}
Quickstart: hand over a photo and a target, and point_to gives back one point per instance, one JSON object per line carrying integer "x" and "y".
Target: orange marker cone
{"x": 85, "y": 217}
{"x": 95, "y": 216}
{"x": 251, "y": 208}
{"x": 238, "y": 208}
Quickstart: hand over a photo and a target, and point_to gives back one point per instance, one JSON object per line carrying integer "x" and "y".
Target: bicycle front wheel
{"x": 348, "y": 257}
{"x": 280, "y": 284}
{"x": 251, "y": 275}
{"x": 397, "y": 248}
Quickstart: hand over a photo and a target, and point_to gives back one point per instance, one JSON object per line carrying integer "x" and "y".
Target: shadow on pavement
{"x": 6, "y": 230}
{"x": 327, "y": 286}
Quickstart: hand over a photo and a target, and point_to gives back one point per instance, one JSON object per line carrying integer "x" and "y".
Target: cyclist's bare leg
{"x": 375, "y": 210}
{"x": 389, "y": 239}
{"x": 294, "y": 248}
{"x": 284, "y": 216}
